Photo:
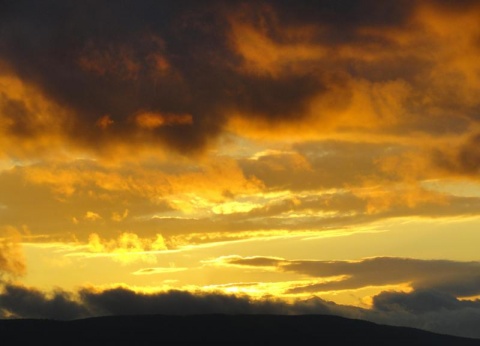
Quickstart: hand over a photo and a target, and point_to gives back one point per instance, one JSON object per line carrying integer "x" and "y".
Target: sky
{"x": 282, "y": 157}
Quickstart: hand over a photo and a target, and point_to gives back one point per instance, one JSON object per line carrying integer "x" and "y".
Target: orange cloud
{"x": 30, "y": 123}
{"x": 151, "y": 120}
{"x": 212, "y": 180}
{"x": 12, "y": 260}
{"x": 104, "y": 122}
{"x": 263, "y": 55}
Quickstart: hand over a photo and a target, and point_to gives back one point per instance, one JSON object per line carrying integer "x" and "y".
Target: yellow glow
{"x": 234, "y": 207}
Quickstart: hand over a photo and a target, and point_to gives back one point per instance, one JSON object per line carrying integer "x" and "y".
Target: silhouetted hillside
{"x": 218, "y": 329}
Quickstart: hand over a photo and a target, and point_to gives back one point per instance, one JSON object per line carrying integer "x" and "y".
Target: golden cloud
{"x": 128, "y": 247}
{"x": 12, "y": 260}
{"x": 30, "y": 123}
{"x": 150, "y": 120}
{"x": 261, "y": 54}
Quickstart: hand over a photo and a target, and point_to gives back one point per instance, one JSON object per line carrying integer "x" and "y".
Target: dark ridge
{"x": 218, "y": 330}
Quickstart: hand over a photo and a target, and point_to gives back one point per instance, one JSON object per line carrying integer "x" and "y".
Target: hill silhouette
{"x": 219, "y": 330}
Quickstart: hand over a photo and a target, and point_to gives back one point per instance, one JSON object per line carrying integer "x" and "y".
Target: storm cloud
{"x": 174, "y": 74}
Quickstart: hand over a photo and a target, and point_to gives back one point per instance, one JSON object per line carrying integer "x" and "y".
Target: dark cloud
{"x": 175, "y": 59}
{"x": 162, "y": 57}
{"x": 419, "y": 301}
{"x": 99, "y": 59}
{"x": 443, "y": 277}
{"x": 459, "y": 279}
{"x": 347, "y": 15}
{"x": 23, "y": 302}
{"x": 255, "y": 261}
{"x": 428, "y": 310}
{"x": 173, "y": 302}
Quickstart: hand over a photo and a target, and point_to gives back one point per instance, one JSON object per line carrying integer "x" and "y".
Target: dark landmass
{"x": 218, "y": 330}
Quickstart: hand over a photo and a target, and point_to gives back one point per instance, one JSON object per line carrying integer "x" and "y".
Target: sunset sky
{"x": 241, "y": 157}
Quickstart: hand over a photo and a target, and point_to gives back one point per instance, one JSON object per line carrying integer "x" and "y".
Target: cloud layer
{"x": 341, "y": 104}
{"x": 147, "y": 126}
{"x": 425, "y": 309}
{"x": 154, "y": 73}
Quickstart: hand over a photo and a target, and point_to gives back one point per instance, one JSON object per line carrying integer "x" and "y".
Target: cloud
{"x": 353, "y": 106}
{"x": 115, "y": 198}
{"x": 461, "y": 159}
{"x": 184, "y": 77}
{"x": 12, "y": 260}
{"x": 419, "y": 301}
{"x": 446, "y": 276}
{"x": 30, "y": 123}
{"x": 128, "y": 247}
{"x": 253, "y": 261}
{"x": 24, "y": 302}
{"x": 180, "y": 74}
{"x": 158, "y": 270}
{"x": 154, "y": 120}
{"x": 172, "y": 302}
{"x": 457, "y": 279}
{"x": 314, "y": 165}
{"x": 426, "y": 310}
{"x": 282, "y": 191}
{"x": 92, "y": 216}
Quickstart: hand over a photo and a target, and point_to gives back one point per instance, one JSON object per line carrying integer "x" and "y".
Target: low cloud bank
{"x": 430, "y": 310}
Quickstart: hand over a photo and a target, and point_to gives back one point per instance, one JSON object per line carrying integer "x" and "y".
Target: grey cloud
{"x": 446, "y": 278}
{"x": 22, "y": 302}
{"x": 172, "y": 302}
{"x": 425, "y": 310}
{"x": 420, "y": 301}
{"x": 454, "y": 278}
